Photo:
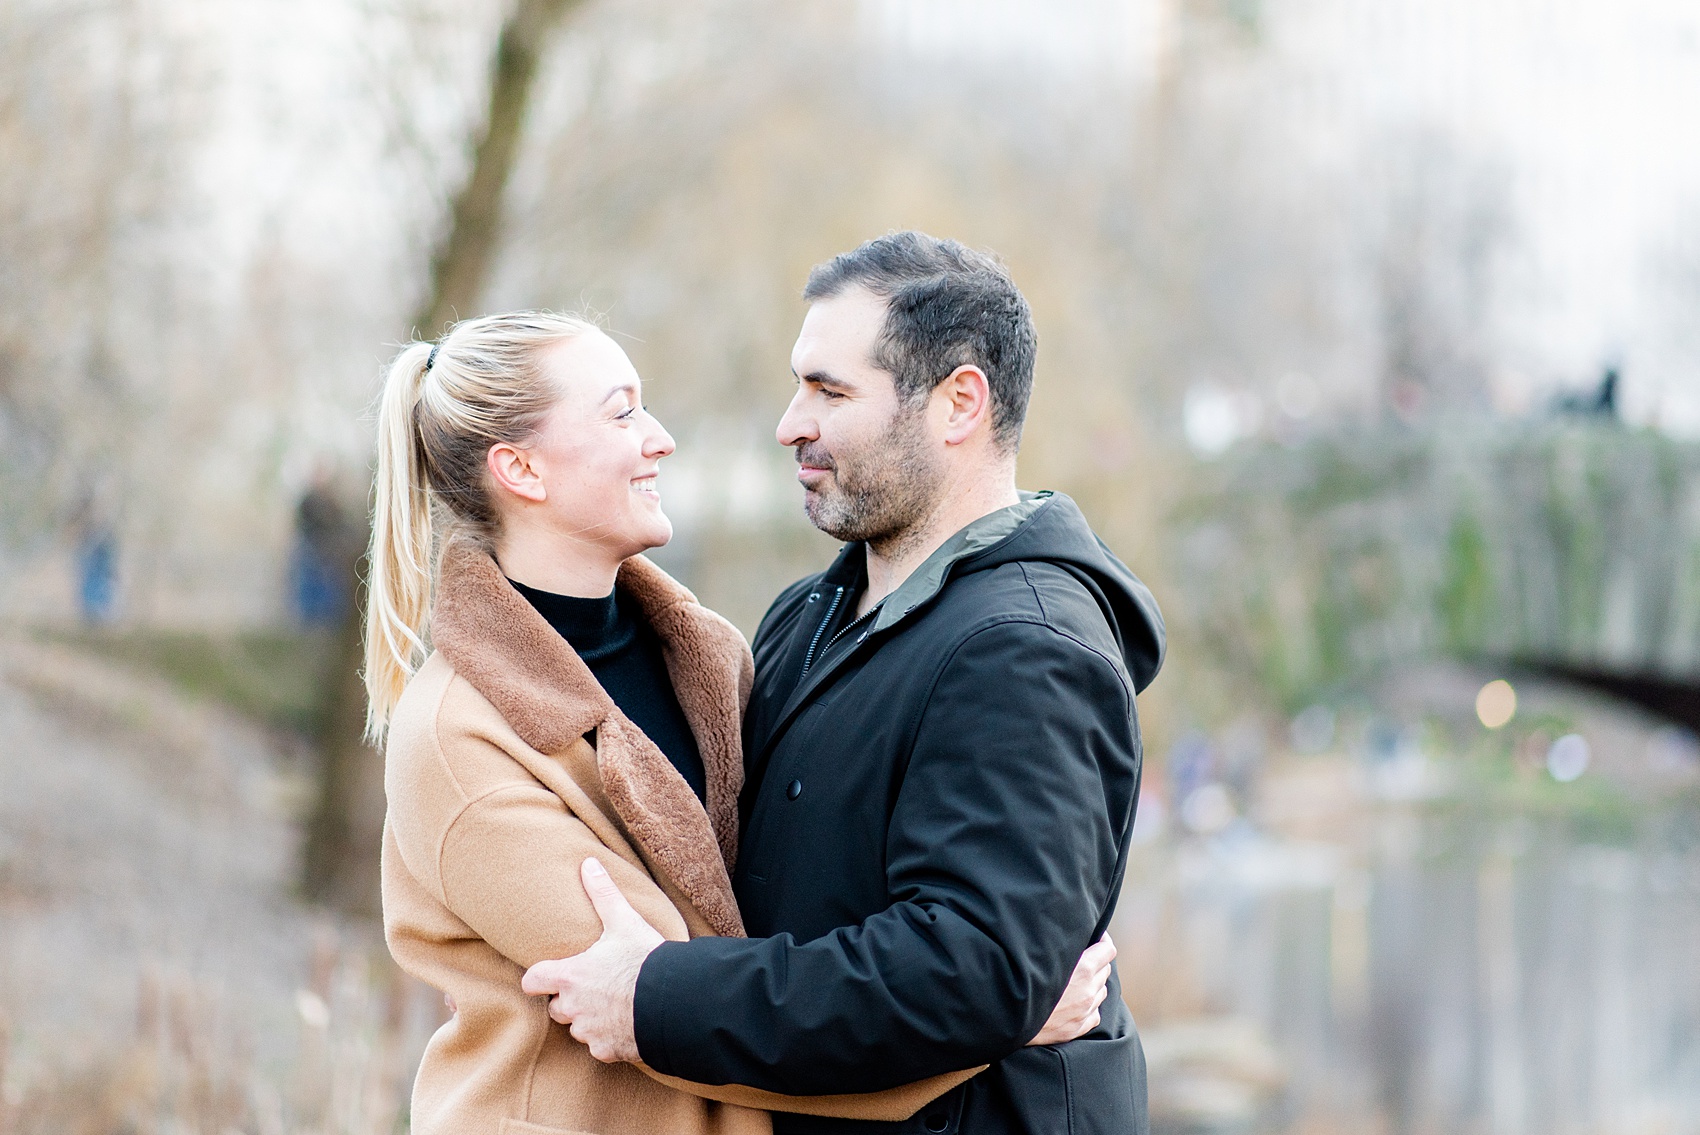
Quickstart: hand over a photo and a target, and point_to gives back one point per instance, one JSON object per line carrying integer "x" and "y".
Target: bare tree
{"x": 345, "y": 831}
{"x": 89, "y": 185}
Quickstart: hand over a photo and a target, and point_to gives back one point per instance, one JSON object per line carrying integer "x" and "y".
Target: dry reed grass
{"x": 156, "y": 975}
{"x": 187, "y": 1068}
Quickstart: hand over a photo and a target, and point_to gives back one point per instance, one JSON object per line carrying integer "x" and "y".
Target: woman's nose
{"x": 659, "y": 443}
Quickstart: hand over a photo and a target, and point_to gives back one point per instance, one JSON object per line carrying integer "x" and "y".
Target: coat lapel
{"x": 496, "y": 641}
{"x": 712, "y": 672}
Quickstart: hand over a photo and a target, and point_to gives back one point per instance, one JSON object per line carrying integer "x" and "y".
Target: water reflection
{"x": 1415, "y": 927}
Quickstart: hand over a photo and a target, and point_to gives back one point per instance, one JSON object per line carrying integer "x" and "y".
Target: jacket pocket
{"x": 943, "y": 1116}
{"x": 1091, "y": 1086}
{"x": 520, "y": 1127}
{"x": 1104, "y": 1080}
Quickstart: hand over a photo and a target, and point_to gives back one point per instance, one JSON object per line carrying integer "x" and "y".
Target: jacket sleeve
{"x": 1000, "y": 859}
{"x": 509, "y": 867}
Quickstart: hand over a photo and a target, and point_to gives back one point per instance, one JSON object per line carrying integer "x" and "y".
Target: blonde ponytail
{"x": 398, "y": 585}
{"x": 441, "y": 409}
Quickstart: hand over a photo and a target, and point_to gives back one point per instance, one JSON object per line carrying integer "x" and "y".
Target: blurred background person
{"x": 320, "y": 572}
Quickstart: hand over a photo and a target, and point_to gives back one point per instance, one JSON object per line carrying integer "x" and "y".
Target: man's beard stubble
{"x": 880, "y": 494}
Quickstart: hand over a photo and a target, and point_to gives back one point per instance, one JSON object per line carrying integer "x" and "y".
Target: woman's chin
{"x": 659, "y": 534}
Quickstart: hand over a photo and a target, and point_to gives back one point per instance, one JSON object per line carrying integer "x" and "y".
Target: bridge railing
{"x": 1572, "y": 545}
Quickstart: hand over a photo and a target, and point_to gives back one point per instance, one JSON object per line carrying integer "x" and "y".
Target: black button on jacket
{"x": 971, "y": 754}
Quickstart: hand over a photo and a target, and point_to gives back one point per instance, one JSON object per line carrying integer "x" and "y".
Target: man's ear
{"x": 512, "y": 469}
{"x": 964, "y": 400}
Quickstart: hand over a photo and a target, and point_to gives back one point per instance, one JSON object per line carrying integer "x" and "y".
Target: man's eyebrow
{"x": 820, "y": 376}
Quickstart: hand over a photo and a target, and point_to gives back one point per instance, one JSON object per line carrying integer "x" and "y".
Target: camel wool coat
{"x": 506, "y": 766}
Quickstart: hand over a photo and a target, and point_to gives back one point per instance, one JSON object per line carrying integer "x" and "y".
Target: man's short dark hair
{"x": 946, "y": 306}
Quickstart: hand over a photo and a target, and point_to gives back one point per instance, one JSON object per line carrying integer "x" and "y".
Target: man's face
{"x": 869, "y": 467}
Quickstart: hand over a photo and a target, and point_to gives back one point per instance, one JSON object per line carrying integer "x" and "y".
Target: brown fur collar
{"x": 496, "y": 641}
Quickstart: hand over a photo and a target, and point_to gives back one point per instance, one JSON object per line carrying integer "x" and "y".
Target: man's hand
{"x": 593, "y": 992}
{"x": 1077, "y": 1013}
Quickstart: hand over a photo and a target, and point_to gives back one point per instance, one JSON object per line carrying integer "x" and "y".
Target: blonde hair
{"x": 441, "y": 410}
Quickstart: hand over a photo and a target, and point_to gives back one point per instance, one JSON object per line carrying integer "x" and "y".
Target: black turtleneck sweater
{"x": 614, "y": 639}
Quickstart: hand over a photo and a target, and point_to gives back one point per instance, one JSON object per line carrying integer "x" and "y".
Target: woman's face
{"x": 596, "y": 455}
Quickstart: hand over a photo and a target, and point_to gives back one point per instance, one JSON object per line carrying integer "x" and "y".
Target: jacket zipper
{"x": 814, "y": 643}
{"x": 833, "y": 641}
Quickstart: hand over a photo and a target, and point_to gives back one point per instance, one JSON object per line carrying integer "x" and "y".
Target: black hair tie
{"x": 432, "y": 357}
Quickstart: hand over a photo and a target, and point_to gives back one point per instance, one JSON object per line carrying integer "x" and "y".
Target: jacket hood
{"x": 1049, "y": 528}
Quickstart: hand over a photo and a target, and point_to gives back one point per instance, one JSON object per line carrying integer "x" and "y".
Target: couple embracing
{"x": 858, "y": 882}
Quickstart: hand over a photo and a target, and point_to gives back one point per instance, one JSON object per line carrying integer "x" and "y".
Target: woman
{"x": 574, "y": 703}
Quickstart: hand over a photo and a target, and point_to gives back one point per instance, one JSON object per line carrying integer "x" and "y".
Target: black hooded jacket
{"x": 936, "y": 822}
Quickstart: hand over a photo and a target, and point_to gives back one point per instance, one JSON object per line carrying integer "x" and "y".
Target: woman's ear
{"x": 512, "y": 470}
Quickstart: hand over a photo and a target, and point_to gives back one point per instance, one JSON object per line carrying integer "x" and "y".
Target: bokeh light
{"x": 1568, "y": 758}
{"x": 1312, "y": 731}
{"x": 1496, "y": 704}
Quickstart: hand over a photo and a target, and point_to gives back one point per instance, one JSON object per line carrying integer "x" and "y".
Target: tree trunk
{"x": 345, "y": 832}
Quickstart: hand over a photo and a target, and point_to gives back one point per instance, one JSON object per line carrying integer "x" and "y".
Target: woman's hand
{"x": 1077, "y": 1013}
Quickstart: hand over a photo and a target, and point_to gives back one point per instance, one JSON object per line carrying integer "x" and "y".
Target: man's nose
{"x": 796, "y": 426}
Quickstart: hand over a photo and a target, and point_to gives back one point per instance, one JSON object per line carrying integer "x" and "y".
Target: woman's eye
{"x": 626, "y": 413}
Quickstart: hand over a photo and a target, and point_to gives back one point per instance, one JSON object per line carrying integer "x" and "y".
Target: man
{"x": 942, "y": 750}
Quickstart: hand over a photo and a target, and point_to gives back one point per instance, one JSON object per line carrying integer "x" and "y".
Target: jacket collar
{"x": 969, "y": 541}
{"x": 499, "y": 643}
{"x": 849, "y": 571}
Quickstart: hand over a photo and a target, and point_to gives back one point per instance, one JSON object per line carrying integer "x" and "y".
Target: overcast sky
{"x": 1589, "y": 111}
